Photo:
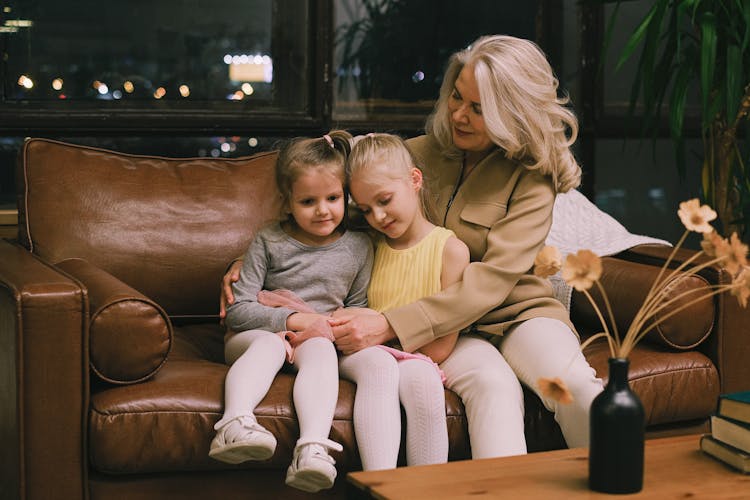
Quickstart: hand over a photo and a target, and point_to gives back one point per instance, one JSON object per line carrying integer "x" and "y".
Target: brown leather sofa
{"x": 112, "y": 365}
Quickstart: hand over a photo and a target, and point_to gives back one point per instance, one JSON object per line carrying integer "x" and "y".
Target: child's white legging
{"x": 256, "y": 356}
{"x": 383, "y": 382}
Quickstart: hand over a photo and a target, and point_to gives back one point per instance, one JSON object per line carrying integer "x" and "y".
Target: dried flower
{"x": 556, "y": 389}
{"x": 712, "y": 243}
{"x": 742, "y": 291}
{"x": 583, "y": 269}
{"x": 736, "y": 256}
{"x": 547, "y": 262}
{"x": 696, "y": 217}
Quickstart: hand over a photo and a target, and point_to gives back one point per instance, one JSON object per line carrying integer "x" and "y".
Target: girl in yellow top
{"x": 413, "y": 259}
{"x": 387, "y": 188}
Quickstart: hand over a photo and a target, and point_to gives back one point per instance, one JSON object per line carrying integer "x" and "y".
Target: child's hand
{"x": 316, "y": 328}
{"x": 297, "y": 322}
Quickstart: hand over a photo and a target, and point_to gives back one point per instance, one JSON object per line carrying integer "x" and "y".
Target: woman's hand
{"x": 355, "y": 332}
{"x": 227, "y": 295}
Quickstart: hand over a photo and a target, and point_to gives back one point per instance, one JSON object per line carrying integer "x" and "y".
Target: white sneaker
{"x": 242, "y": 439}
{"x": 312, "y": 468}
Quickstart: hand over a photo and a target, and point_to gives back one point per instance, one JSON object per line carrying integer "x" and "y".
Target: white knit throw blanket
{"x": 577, "y": 224}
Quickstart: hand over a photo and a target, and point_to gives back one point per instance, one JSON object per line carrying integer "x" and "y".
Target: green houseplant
{"x": 698, "y": 46}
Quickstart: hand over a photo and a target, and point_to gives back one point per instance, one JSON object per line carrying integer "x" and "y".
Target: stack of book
{"x": 729, "y": 440}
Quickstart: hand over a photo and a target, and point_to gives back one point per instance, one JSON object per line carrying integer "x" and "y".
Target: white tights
{"x": 256, "y": 356}
{"x": 381, "y": 383}
{"x": 488, "y": 383}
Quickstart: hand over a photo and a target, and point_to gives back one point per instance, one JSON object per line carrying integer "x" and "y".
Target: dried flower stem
{"x": 716, "y": 290}
{"x": 657, "y": 282}
{"x": 652, "y": 305}
{"x": 614, "y": 342}
{"x": 611, "y": 315}
{"x": 589, "y": 340}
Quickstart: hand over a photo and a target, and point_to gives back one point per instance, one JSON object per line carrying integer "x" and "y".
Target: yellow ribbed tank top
{"x": 400, "y": 277}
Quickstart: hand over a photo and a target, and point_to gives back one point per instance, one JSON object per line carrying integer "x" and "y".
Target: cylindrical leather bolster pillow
{"x": 627, "y": 283}
{"x": 129, "y": 335}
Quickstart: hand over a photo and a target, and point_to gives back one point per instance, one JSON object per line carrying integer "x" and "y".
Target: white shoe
{"x": 312, "y": 468}
{"x": 242, "y": 439}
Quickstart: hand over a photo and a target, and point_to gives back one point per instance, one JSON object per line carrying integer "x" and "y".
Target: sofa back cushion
{"x": 167, "y": 227}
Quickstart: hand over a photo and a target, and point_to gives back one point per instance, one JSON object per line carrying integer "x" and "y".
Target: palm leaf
{"x": 608, "y": 36}
{"x": 665, "y": 68}
{"x": 707, "y": 176}
{"x": 733, "y": 83}
{"x": 677, "y": 114}
{"x": 708, "y": 57}
{"x": 648, "y": 56}
{"x": 636, "y": 37}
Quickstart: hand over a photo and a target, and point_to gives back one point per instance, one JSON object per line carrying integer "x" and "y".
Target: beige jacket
{"x": 503, "y": 212}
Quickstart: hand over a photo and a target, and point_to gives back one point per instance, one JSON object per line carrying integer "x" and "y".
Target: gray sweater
{"x": 326, "y": 278}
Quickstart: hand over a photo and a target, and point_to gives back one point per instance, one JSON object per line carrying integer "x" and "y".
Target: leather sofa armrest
{"x": 130, "y": 336}
{"x": 683, "y": 325}
{"x": 44, "y": 382}
{"x": 728, "y": 345}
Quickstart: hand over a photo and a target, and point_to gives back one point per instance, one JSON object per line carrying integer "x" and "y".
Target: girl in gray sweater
{"x": 311, "y": 254}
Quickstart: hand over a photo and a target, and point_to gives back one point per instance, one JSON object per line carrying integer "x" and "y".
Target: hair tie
{"x": 329, "y": 141}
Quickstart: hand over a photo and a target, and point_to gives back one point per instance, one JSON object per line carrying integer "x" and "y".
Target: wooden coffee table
{"x": 674, "y": 468}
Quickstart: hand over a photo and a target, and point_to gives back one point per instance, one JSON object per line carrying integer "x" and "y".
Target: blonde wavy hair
{"x": 522, "y": 112}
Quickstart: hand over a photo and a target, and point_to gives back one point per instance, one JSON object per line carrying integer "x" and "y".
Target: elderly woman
{"x": 497, "y": 151}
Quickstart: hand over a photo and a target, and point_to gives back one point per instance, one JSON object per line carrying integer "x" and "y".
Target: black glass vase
{"x": 617, "y": 434}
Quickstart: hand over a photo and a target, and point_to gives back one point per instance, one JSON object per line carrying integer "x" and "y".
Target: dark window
{"x": 390, "y": 55}
{"x": 169, "y": 65}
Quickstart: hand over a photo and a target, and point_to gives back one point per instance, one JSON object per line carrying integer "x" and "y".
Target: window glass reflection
{"x": 141, "y": 51}
{"x": 390, "y": 54}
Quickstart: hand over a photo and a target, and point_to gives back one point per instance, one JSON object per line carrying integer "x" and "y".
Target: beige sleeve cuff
{"x": 412, "y": 326}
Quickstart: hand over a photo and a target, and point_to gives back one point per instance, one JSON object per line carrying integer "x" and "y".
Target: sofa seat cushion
{"x": 676, "y": 386}
{"x": 165, "y": 424}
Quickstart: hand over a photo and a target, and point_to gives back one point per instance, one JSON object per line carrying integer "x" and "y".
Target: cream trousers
{"x": 487, "y": 380}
